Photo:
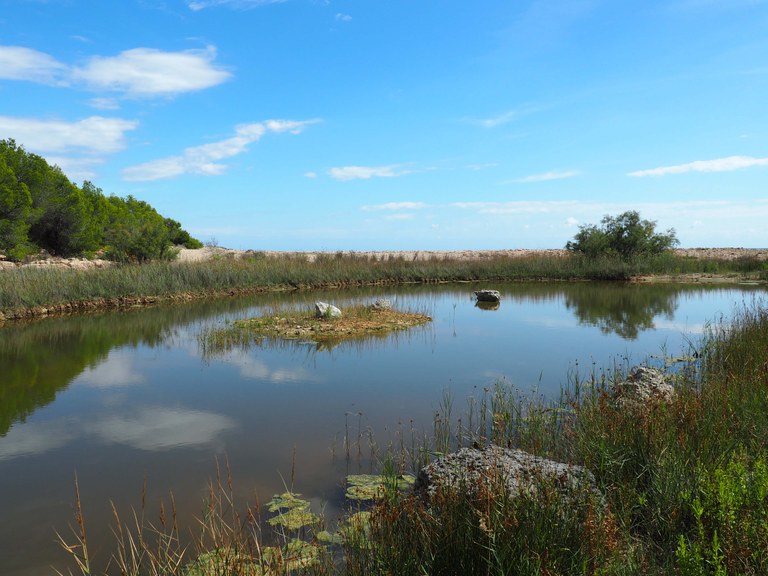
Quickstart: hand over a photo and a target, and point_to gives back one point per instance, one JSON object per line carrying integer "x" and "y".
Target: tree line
{"x": 41, "y": 209}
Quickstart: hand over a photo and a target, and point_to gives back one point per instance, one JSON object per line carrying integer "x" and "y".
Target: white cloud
{"x": 343, "y": 17}
{"x": 142, "y": 72}
{"x": 204, "y": 159}
{"x": 402, "y": 216}
{"x": 196, "y": 5}
{"x": 718, "y": 165}
{"x": 104, "y": 103}
{"x": 95, "y": 134}
{"x": 547, "y": 176}
{"x": 395, "y": 206}
{"x": 19, "y": 63}
{"x": 76, "y": 169}
{"x": 505, "y": 117}
{"x": 347, "y": 173}
{"x": 517, "y": 207}
{"x": 150, "y": 72}
{"x": 310, "y": 174}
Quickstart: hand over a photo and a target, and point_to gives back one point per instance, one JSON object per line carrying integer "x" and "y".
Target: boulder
{"x": 471, "y": 469}
{"x": 643, "y": 385}
{"x": 325, "y": 310}
{"x": 487, "y": 295}
{"x": 381, "y": 304}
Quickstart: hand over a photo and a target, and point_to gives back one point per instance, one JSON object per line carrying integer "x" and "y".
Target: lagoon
{"x": 120, "y": 397}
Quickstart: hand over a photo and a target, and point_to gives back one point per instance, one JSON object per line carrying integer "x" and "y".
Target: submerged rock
{"x": 487, "y": 295}
{"x": 473, "y": 469}
{"x": 325, "y": 310}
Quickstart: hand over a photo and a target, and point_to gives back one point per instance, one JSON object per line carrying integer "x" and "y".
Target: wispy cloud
{"x": 395, "y": 206}
{"x": 197, "y": 5}
{"x": 515, "y": 207}
{"x": 547, "y": 176}
{"x": 20, "y": 63}
{"x": 346, "y": 173}
{"x": 343, "y": 17}
{"x": 139, "y": 72}
{"x": 94, "y": 135}
{"x": 205, "y": 159}
{"x": 150, "y": 72}
{"x": 505, "y": 117}
{"x": 718, "y": 165}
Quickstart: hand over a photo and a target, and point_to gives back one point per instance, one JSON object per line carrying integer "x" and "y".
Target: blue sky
{"x": 390, "y": 124}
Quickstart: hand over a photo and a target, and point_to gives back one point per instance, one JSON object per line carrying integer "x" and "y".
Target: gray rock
{"x": 324, "y": 310}
{"x": 382, "y": 304}
{"x": 470, "y": 469}
{"x": 643, "y": 385}
{"x": 487, "y": 295}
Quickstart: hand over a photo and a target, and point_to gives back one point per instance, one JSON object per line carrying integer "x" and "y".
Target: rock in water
{"x": 382, "y": 304}
{"x": 325, "y": 310}
{"x": 487, "y": 295}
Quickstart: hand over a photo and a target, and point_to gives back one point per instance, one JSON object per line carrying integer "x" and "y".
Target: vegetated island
{"x": 356, "y": 322}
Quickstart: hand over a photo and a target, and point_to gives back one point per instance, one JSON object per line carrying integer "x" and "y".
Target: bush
{"x": 625, "y": 236}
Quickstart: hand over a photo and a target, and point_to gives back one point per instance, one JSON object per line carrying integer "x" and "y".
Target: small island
{"x": 360, "y": 321}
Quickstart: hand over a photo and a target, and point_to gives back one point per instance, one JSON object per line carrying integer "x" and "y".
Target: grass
{"x": 684, "y": 487}
{"x": 34, "y": 291}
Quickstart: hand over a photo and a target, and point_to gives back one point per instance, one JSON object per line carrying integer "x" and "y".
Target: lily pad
{"x": 294, "y": 519}
{"x": 295, "y": 555}
{"x": 223, "y": 561}
{"x": 371, "y": 486}
{"x": 286, "y": 501}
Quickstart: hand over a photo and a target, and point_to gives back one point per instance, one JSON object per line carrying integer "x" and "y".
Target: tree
{"x": 625, "y": 236}
{"x": 15, "y": 206}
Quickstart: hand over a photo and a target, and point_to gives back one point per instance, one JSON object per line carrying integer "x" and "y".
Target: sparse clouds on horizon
{"x": 547, "y": 176}
{"x": 395, "y": 206}
{"x": 346, "y": 173}
{"x": 205, "y": 159}
{"x": 718, "y": 165}
{"x": 196, "y": 5}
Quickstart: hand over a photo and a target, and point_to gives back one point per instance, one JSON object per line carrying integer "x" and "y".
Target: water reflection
{"x": 625, "y": 310}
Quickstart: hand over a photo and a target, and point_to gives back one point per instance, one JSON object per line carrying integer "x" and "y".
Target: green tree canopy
{"x": 41, "y": 209}
{"x": 625, "y": 236}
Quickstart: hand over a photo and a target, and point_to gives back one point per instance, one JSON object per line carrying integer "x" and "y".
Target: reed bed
{"x": 26, "y": 290}
{"x": 683, "y": 487}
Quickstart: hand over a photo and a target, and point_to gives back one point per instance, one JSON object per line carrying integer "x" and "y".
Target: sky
{"x": 401, "y": 125}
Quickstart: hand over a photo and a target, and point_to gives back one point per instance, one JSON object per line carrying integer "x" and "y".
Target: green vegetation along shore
{"x": 681, "y": 487}
{"x": 32, "y": 291}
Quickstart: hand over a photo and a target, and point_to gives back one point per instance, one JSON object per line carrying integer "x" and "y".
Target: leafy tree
{"x": 15, "y": 206}
{"x": 181, "y": 237}
{"x": 136, "y": 232}
{"x": 625, "y": 235}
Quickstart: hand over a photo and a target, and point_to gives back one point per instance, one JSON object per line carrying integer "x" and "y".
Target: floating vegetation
{"x": 292, "y": 512}
{"x": 224, "y": 561}
{"x": 295, "y": 555}
{"x": 373, "y": 487}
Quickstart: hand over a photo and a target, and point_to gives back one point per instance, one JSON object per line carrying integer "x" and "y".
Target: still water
{"x": 117, "y": 398}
